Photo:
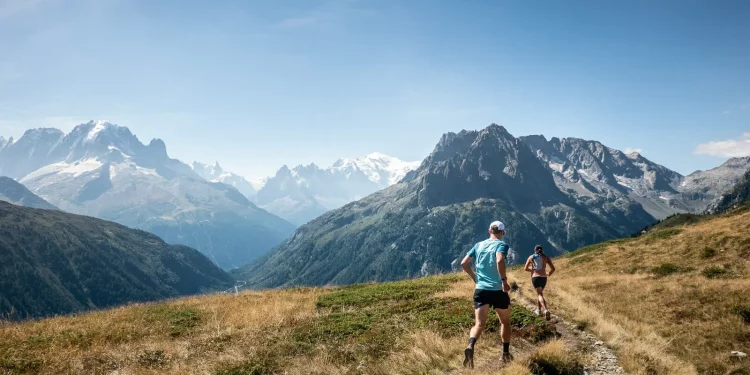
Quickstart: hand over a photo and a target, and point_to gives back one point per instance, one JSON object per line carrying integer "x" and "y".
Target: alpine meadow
{"x": 362, "y": 187}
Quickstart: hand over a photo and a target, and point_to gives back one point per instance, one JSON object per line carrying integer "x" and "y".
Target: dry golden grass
{"x": 649, "y": 298}
{"x": 411, "y": 327}
{"x": 137, "y": 340}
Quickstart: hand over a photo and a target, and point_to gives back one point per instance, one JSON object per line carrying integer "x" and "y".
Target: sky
{"x": 259, "y": 84}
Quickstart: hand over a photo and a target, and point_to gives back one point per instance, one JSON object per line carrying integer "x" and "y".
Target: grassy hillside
{"x": 409, "y": 327}
{"x": 674, "y": 301}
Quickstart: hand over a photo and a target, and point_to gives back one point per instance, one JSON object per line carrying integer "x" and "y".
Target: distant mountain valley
{"x": 102, "y": 170}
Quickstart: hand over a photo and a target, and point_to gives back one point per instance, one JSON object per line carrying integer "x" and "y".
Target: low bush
{"x": 708, "y": 252}
{"x": 714, "y": 272}
{"x": 554, "y": 359}
{"x": 665, "y": 269}
{"x": 180, "y": 321}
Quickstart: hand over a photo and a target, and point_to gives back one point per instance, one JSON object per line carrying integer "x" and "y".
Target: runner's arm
{"x": 527, "y": 267}
{"x": 501, "y": 270}
{"x": 551, "y": 266}
{"x": 466, "y": 265}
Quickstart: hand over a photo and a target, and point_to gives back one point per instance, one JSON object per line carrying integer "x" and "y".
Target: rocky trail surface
{"x": 604, "y": 359}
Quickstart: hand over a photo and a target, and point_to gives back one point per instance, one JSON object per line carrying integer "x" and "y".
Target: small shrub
{"x": 744, "y": 313}
{"x": 554, "y": 359}
{"x": 20, "y": 365}
{"x": 181, "y": 321}
{"x": 153, "y": 359}
{"x": 514, "y": 287}
{"x": 708, "y": 252}
{"x": 665, "y": 269}
{"x": 528, "y": 325}
{"x": 581, "y": 259}
{"x": 255, "y": 367}
{"x": 633, "y": 270}
{"x": 581, "y": 325}
{"x": 714, "y": 272}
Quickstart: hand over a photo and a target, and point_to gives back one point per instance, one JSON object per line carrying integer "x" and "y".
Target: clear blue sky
{"x": 258, "y": 84}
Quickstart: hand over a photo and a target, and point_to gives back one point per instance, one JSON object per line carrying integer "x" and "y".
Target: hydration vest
{"x": 538, "y": 261}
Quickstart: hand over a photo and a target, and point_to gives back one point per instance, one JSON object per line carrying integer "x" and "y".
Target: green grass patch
{"x": 715, "y": 272}
{"x": 181, "y": 321}
{"x": 679, "y": 220}
{"x": 366, "y": 322}
{"x": 596, "y": 247}
{"x": 663, "y": 234}
{"x": 360, "y": 295}
{"x": 666, "y": 269}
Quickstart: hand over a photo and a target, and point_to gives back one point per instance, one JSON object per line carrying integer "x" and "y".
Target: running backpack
{"x": 538, "y": 262}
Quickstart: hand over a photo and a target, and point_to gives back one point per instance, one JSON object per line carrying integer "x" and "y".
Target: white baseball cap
{"x": 498, "y": 224}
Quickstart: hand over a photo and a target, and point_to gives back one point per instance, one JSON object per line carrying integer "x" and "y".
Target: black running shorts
{"x": 495, "y": 298}
{"x": 539, "y": 282}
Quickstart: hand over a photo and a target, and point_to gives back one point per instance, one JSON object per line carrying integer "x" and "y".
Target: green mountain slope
{"x": 57, "y": 263}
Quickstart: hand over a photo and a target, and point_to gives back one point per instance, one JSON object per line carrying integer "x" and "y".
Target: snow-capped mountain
{"x": 606, "y": 179}
{"x": 215, "y": 173}
{"x": 305, "y": 192}
{"x": 379, "y": 168}
{"x": 103, "y": 170}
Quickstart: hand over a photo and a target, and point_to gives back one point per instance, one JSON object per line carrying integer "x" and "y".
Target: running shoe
{"x": 469, "y": 358}
{"x": 507, "y": 358}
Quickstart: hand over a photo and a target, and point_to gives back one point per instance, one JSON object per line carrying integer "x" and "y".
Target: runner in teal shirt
{"x": 491, "y": 289}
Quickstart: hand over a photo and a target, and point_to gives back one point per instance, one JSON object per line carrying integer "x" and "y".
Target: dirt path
{"x": 604, "y": 359}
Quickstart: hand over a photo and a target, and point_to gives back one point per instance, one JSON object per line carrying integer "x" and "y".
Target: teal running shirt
{"x": 485, "y": 258}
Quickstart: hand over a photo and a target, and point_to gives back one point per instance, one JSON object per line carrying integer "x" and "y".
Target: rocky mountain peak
{"x": 158, "y": 149}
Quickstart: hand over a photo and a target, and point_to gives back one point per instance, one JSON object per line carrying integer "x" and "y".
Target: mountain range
{"x": 103, "y": 170}
{"x": 305, "y": 192}
{"x": 560, "y": 193}
{"x": 57, "y": 263}
{"x": 215, "y": 173}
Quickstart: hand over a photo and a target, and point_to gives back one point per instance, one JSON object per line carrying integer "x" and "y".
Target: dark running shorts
{"x": 495, "y": 298}
{"x": 539, "y": 282}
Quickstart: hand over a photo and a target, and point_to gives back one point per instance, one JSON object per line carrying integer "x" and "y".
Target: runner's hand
{"x": 506, "y": 286}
